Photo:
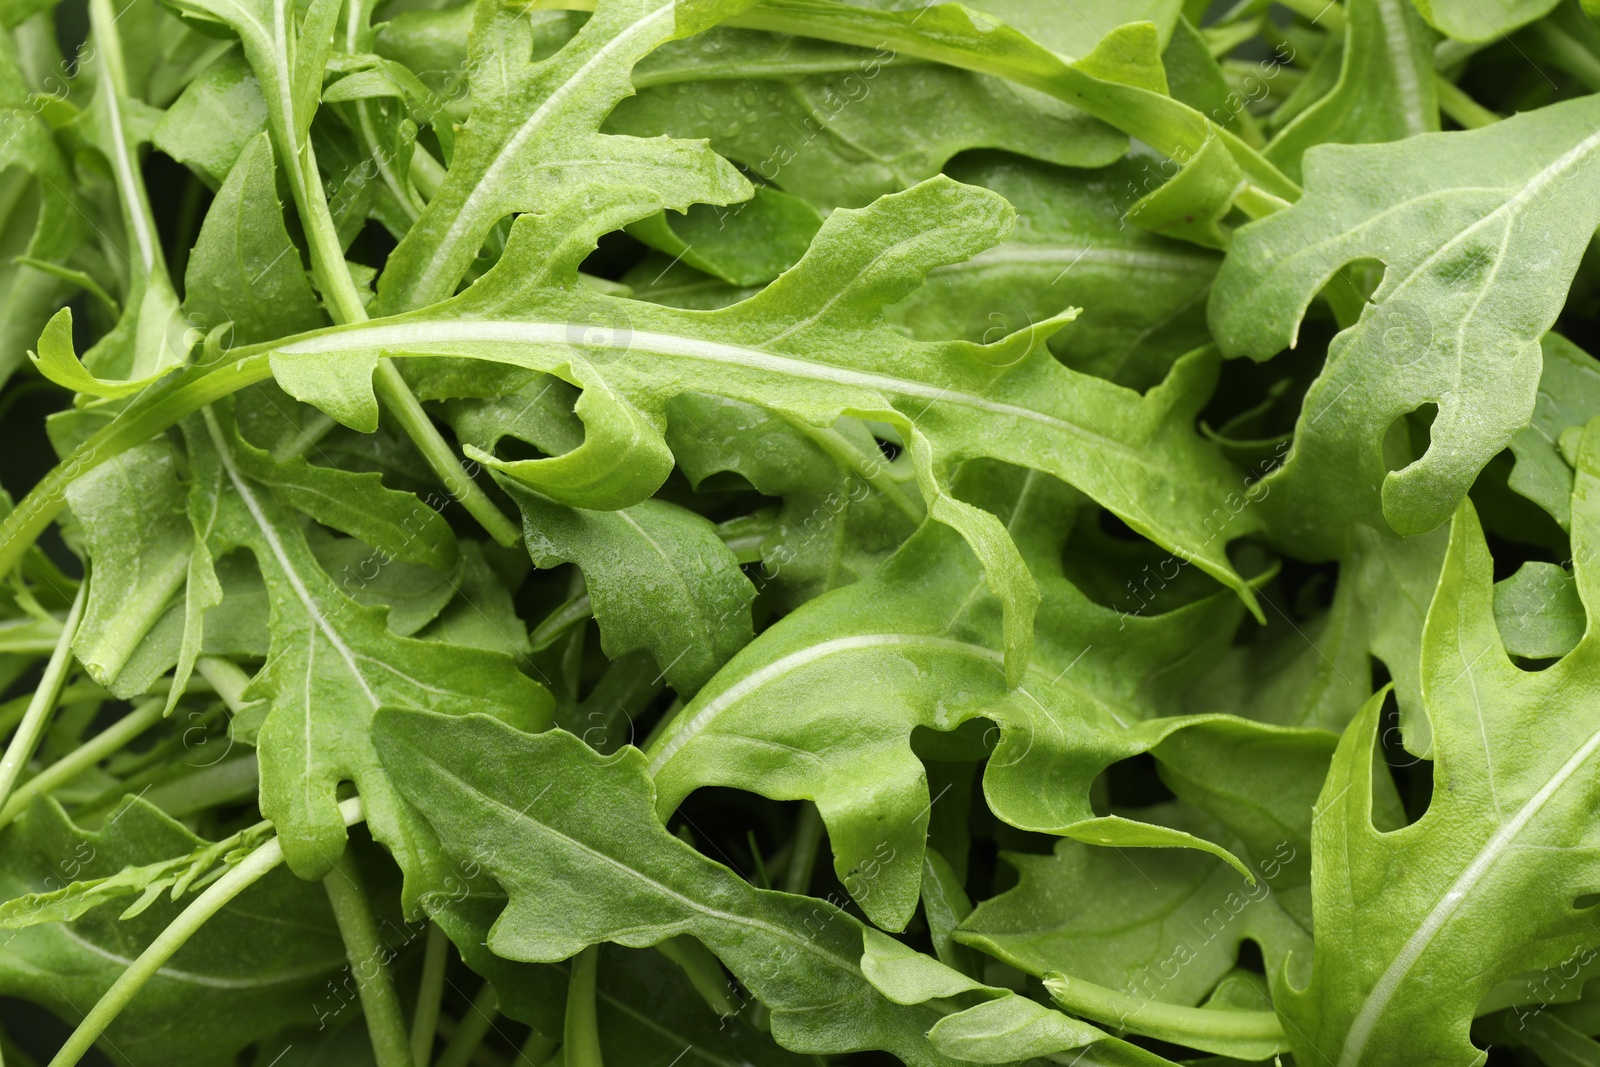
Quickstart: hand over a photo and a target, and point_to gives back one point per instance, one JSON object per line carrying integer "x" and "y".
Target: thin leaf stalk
{"x": 1153, "y": 1018}
{"x": 391, "y": 1042}
{"x": 31, "y": 729}
{"x": 358, "y": 17}
{"x": 803, "y": 854}
{"x": 430, "y": 992}
{"x": 85, "y": 756}
{"x": 124, "y": 163}
{"x": 581, "y": 1032}
{"x": 217, "y": 896}
{"x": 1455, "y": 103}
{"x": 474, "y": 1027}
{"x": 338, "y": 287}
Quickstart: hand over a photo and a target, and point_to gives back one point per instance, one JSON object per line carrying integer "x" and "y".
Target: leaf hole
{"x": 1350, "y": 288}
{"x": 1516, "y": 529}
{"x": 1134, "y": 782}
{"x": 1250, "y": 958}
{"x": 512, "y": 449}
{"x": 1409, "y": 436}
{"x": 1116, "y": 529}
{"x": 1115, "y": 567}
{"x": 1402, "y": 783}
{"x": 1585, "y": 900}
{"x": 754, "y": 836}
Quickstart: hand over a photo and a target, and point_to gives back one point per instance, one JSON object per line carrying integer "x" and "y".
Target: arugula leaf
{"x": 1569, "y": 396}
{"x": 840, "y": 109}
{"x": 913, "y": 646}
{"x": 31, "y": 293}
{"x": 1467, "y": 21}
{"x": 531, "y": 117}
{"x": 567, "y": 854}
{"x": 1481, "y": 232}
{"x": 212, "y": 121}
{"x": 845, "y": 509}
{"x": 1385, "y": 90}
{"x": 1538, "y": 612}
{"x": 332, "y": 664}
{"x": 786, "y": 347}
{"x": 1046, "y": 624}
{"x": 1142, "y": 296}
{"x": 1318, "y": 672}
{"x": 1505, "y": 822}
{"x": 131, "y": 510}
{"x": 244, "y": 269}
{"x": 658, "y": 577}
{"x": 265, "y": 956}
{"x": 1161, "y": 925}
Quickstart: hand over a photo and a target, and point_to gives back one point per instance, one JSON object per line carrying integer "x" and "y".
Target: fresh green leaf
{"x": 659, "y": 579}
{"x": 1505, "y": 823}
{"x": 914, "y": 646}
{"x": 264, "y": 960}
{"x": 597, "y": 825}
{"x": 1385, "y": 90}
{"x": 244, "y": 269}
{"x": 332, "y": 664}
{"x": 1481, "y": 233}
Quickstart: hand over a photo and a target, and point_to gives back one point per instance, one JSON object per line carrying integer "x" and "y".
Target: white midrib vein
{"x": 1507, "y": 212}
{"x": 785, "y": 665}
{"x": 1383, "y": 992}
{"x": 121, "y": 158}
{"x": 412, "y": 336}
{"x": 1018, "y": 254}
{"x": 465, "y": 220}
{"x": 687, "y": 902}
{"x": 302, "y": 594}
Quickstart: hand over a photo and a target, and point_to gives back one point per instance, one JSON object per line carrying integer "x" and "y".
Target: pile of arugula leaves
{"x": 777, "y": 532}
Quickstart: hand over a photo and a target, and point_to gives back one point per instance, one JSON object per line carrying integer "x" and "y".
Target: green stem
{"x": 558, "y": 622}
{"x": 228, "y": 679}
{"x": 391, "y": 1045}
{"x": 84, "y": 756}
{"x": 216, "y": 896}
{"x": 358, "y": 16}
{"x": 536, "y": 1050}
{"x": 1324, "y": 13}
{"x": 430, "y": 991}
{"x": 403, "y": 404}
{"x": 1467, "y": 112}
{"x": 700, "y": 966}
{"x": 31, "y": 729}
{"x": 427, "y": 173}
{"x": 344, "y": 303}
{"x": 124, "y": 163}
{"x": 190, "y": 392}
{"x": 581, "y": 1033}
{"x": 228, "y": 782}
{"x": 1568, "y": 54}
{"x": 1166, "y": 1022}
{"x": 803, "y": 850}
{"x": 80, "y": 692}
{"x": 475, "y": 1025}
